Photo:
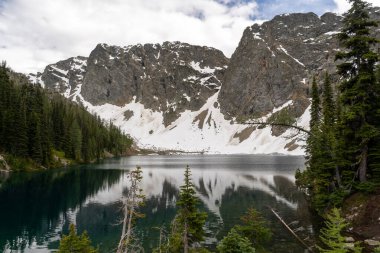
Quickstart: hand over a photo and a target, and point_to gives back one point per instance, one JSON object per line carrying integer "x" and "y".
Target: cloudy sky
{"x": 34, "y": 33}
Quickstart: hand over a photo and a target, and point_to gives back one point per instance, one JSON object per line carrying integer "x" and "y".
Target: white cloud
{"x": 37, "y": 32}
{"x": 344, "y": 5}
{"x": 34, "y": 33}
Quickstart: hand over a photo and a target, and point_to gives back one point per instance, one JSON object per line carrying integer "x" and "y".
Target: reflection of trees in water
{"x": 202, "y": 188}
{"x": 287, "y": 189}
{"x": 33, "y": 202}
{"x": 103, "y": 221}
{"x": 236, "y": 201}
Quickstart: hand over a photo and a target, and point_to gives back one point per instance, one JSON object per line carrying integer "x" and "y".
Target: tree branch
{"x": 278, "y": 124}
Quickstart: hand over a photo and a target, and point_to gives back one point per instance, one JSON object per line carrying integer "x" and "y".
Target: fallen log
{"x": 290, "y": 230}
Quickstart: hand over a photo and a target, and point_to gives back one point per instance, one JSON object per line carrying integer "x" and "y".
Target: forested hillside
{"x": 42, "y": 127}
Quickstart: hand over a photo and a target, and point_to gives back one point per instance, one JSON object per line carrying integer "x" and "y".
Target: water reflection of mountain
{"x": 32, "y": 204}
{"x": 102, "y": 220}
{"x": 38, "y": 206}
{"x": 236, "y": 201}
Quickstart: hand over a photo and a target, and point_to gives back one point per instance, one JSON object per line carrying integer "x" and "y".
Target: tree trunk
{"x": 338, "y": 178}
{"x": 363, "y": 164}
{"x": 120, "y": 246}
{"x": 185, "y": 240}
{"x": 131, "y": 211}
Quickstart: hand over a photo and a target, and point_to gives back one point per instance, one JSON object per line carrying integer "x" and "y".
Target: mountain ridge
{"x": 178, "y": 96}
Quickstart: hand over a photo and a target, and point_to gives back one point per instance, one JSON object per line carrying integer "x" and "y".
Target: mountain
{"x": 177, "y": 96}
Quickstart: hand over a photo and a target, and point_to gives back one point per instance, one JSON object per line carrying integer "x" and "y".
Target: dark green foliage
{"x": 187, "y": 227}
{"x": 331, "y": 235}
{"x": 235, "y": 243}
{"x": 343, "y": 149}
{"x": 188, "y": 212}
{"x": 315, "y": 105}
{"x": 359, "y": 93}
{"x": 34, "y": 123}
{"x": 255, "y": 228}
{"x": 73, "y": 243}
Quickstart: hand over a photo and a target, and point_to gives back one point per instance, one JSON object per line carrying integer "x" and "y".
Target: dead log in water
{"x": 290, "y": 230}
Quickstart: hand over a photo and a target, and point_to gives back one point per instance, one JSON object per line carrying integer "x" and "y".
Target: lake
{"x": 36, "y": 207}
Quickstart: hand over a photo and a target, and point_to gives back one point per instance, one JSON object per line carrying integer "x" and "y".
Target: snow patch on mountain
{"x": 205, "y": 130}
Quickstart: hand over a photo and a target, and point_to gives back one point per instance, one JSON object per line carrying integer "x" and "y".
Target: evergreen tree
{"x": 316, "y": 177}
{"x": 75, "y": 135}
{"x": 187, "y": 227}
{"x": 254, "y": 227}
{"x": 344, "y": 144}
{"x": 128, "y": 242}
{"x": 314, "y": 124}
{"x": 191, "y": 220}
{"x": 359, "y": 91}
{"x": 331, "y": 234}
{"x": 35, "y": 146}
{"x": 35, "y": 124}
{"x": 18, "y": 131}
{"x": 235, "y": 243}
{"x": 328, "y": 106}
{"x": 315, "y": 112}
{"x": 72, "y": 243}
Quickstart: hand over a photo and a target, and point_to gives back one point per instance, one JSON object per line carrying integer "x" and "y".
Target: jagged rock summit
{"x": 176, "y": 96}
{"x": 171, "y": 77}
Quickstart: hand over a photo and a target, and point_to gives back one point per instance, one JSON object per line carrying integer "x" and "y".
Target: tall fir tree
{"x": 187, "y": 227}
{"x": 344, "y": 145}
{"x": 190, "y": 218}
{"x": 358, "y": 92}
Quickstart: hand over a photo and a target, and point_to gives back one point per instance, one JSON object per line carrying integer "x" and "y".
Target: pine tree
{"x": 331, "y": 234}
{"x": 75, "y": 134}
{"x": 314, "y": 124}
{"x": 254, "y": 227}
{"x": 187, "y": 227}
{"x": 128, "y": 242}
{"x": 18, "y": 130}
{"x": 315, "y": 112}
{"x": 315, "y": 178}
{"x": 35, "y": 124}
{"x": 35, "y": 146}
{"x": 235, "y": 243}
{"x": 190, "y": 218}
{"x": 72, "y": 243}
{"x": 328, "y": 106}
{"x": 358, "y": 90}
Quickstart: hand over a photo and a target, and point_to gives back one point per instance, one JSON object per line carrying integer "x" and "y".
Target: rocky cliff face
{"x": 169, "y": 78}
{"x": 184, "y": 97}
{"x": 275, "y": 61}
